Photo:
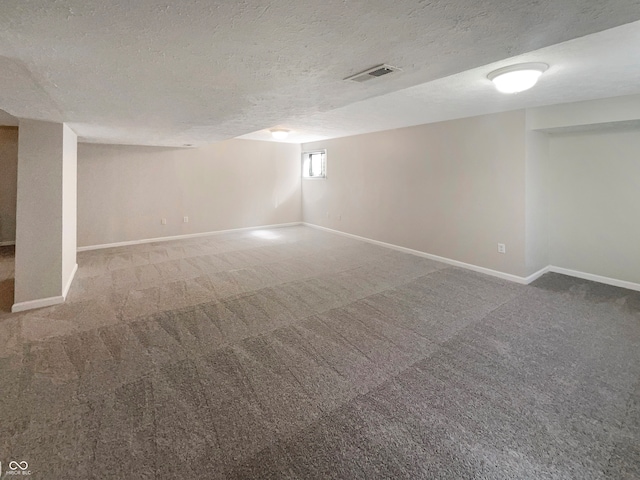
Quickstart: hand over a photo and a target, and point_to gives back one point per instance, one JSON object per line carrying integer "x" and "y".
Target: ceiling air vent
{"x": 372, "y": 73}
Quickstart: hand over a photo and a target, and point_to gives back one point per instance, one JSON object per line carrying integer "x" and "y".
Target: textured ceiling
{"x": 197, "y": 71}
{"x": 600, "y": 65}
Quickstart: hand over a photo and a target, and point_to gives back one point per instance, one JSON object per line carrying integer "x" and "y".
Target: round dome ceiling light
{"x": 517, "y": 78}
{"x": 279, "y": 133}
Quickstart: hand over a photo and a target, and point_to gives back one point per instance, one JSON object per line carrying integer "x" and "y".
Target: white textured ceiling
{"x": 601, "y": 65}
{"x": 197, "y": 71}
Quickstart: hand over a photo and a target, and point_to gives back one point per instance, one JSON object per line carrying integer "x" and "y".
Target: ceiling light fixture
{"x": 279, "y": 133}
{"x": 517, "y": 78}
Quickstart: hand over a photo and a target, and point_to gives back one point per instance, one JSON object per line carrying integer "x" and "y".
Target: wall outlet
{"x": 502, "y": 248}
{"x": 163, "y": 221}
{"x": 185, "y": 219}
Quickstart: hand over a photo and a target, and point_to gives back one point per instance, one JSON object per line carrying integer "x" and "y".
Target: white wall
{"x": 125, "y": 191}
{"x": 453, "y": 189}
{"x": 69, "y": 204}
{"x": 594, "y": 181}
{"x": 8, "y": 183}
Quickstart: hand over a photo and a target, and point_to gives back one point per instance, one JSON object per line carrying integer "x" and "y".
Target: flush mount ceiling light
{"x": 279, "y": 133}
{"x": 517, "y": 78}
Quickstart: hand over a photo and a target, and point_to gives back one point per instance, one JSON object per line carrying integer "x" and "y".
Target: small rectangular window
{"x": 314, "y": 164}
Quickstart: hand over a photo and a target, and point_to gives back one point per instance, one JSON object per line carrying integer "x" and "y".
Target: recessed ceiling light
{"x": 517, "y": 78}
{"x": 279, "y": 133}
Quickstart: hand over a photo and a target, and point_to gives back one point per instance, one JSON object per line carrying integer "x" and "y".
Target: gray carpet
{"x": 294, "y": 353}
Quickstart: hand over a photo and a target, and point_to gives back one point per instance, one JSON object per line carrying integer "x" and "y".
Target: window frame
{"x": 306, "y": 157}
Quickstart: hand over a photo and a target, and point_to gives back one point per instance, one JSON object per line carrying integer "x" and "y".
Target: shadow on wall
{"x": 6, "y": 294}
{"x": 7, "y": 255}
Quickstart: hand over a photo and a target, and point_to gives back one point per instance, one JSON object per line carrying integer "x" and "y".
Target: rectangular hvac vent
{"x": 381, "y": 71}
{"x": 372, "y": 73}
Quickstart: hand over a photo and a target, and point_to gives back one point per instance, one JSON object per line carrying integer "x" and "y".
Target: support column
{"x": 46, "y": 214}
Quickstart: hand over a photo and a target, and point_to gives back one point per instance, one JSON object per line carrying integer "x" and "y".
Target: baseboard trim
{"x": 40, "y": 303}
{"x": 494, "y": 273}
{"x": 448, "y": 261}
{"x": 182, "y": 237}
{"x": 596, "y": 278}
{"x": 534, "y": 276}
{"x": 46, "y": 302}
{"x": 7, "y": 243}
{"x": 65, "y": 292}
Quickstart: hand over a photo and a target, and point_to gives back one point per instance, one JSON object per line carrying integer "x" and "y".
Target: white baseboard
{"x": 50, "y": 301}
{"x": 596, "y": 278}
{"x": 495, "y": 273}
{"x": 534, "y": 276}
{"x": 7, "y": 243}
{"x": 40, "y": 303}
{"x": 46, "y": 302}
{"x": 182, "y": 237}
{"x": 65, "y": 292}
{"x": 448, "y": 261}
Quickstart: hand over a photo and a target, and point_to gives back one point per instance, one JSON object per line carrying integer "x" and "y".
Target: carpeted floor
{"x": 294, "y": 353}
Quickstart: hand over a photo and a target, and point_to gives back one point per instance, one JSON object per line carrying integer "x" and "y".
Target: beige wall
{"x": 595, "y": 199}
{"x": 453, "y": 189}
{"x": 125, "y": 191}
{"x": 8, "y": 183}
{"x": 537, "y": 201}
{"x": 39, "y": 212}
{"x": 588, "y": 113}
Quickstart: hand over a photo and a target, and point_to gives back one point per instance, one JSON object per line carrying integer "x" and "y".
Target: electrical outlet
{"x": 163, "y": 221}
{"x": 502, "y": 248}
{"x": 185, "y": 219}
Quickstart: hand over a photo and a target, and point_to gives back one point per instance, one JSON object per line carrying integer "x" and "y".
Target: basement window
{"x": 314, "y": 164}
